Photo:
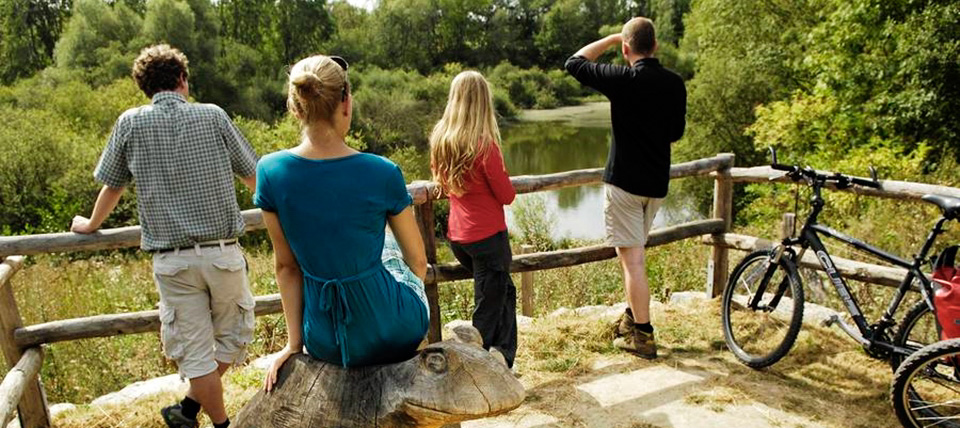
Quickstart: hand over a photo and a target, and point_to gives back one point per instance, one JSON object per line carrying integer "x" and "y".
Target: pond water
{"x": 548, "y": 141}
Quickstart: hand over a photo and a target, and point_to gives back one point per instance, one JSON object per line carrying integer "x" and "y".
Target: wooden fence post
{"x": 526, "y": 286}
{"x": 719, "y": 264}
{"x": 33, "y": 406}
{"x": 427, "y": 230}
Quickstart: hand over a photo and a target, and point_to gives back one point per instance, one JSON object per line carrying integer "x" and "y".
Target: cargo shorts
{"x": 206, "y": 307}
{"x": 628, "y": 217}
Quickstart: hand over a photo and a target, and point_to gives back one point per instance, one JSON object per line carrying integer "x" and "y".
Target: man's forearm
{"x": 250, "y": 182}
{"x": 597, "y": 48}
{"x": 106, "y": 202}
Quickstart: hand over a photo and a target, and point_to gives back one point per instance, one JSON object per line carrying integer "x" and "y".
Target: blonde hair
{"x": 316, "y": 87}
{"x": 467, "y": 127}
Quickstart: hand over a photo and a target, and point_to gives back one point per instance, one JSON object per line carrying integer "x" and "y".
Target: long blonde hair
{"x": 467, "y": 127}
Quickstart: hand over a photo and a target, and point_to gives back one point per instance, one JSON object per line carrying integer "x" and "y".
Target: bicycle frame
{"x": 868, "y": 335}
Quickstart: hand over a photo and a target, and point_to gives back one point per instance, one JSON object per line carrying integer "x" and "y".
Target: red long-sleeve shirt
{"x": 478, "y": 213}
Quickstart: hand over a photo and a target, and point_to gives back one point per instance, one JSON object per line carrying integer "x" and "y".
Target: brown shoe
{"x": 624, "y": 325}
{"x": 639, "y": 343}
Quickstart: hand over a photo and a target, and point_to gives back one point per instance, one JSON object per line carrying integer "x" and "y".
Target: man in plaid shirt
{"x": 183, "y": 157}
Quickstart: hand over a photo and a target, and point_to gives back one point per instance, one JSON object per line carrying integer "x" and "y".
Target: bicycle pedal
{"x": 829, "y": 322}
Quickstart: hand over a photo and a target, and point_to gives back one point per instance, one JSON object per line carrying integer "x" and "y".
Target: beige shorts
{"x": 627, "y": 217}
{"x": 206, "y": 307}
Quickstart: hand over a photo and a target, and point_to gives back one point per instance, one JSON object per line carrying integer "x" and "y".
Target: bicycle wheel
{"x": 926, "y": 388}
{"x": 761, "y": 334}
{"x": 918, "y": 329}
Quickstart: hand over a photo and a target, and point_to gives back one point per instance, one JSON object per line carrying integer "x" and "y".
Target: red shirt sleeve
{"x": 496, "y": 175}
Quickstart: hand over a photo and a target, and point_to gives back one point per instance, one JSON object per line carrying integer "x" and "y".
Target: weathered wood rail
{"x": 21, "y": 344}
{"x": 147, "y": 321}
{"x": 850, "y": 269}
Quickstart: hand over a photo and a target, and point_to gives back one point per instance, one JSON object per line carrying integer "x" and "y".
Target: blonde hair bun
{"x": 307, "y": 83}
{"x": 316, "y": 86}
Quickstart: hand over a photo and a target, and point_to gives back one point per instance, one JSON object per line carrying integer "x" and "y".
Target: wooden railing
{"x": 850, "y": 269}
{"x": 21, "y": 344}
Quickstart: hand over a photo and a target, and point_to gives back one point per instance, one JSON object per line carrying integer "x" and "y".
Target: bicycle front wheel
{"x": 926, "y": 388}
{"x": 762, "y": 309}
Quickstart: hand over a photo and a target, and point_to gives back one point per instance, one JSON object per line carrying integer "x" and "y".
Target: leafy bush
{"x": 535, "y": 88}
{"x": 533, "y": 220}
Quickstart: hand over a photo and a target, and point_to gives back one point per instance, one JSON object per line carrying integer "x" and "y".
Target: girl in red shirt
{"x": 466, "y": 162}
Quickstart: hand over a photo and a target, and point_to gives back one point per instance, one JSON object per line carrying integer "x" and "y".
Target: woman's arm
{"x": 290, "y": 282}
{"x": 405, "y": 229}
{"x": 497, "y": 177}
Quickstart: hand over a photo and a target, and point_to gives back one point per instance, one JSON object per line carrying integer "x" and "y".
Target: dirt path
{"x": 825, "y": 382}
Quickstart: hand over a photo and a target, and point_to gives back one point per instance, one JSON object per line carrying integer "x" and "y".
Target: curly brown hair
{"x": 159, "y": 68}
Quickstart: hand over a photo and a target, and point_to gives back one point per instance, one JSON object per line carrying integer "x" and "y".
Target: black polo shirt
{"x": 648, "y": 105}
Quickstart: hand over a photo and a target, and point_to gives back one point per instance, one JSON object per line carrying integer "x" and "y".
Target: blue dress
{"x": 361, "y": 304}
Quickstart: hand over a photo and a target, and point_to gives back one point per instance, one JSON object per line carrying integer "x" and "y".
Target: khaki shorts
{"x": 628, "y": 217}
{"x": 206, "y": 308}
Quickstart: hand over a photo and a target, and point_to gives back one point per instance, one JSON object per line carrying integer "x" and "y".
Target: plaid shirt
{"x": 183, "y": 157}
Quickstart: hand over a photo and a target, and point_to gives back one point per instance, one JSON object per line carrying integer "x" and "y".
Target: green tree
{"x": 748, "y": 53}
{"x": 668, "y": 15}
{"x": 299, "y": 28}
{"x": 246, "y": 21}
{"x": 171, "y": 22}
{"x": 96, "y": 40}
{"x": 28, "y": 34}
{"x": 404, "y": 34}
{"x": 570, "y": 24}
{"x": 352, "y": 36}
{"x": 882, "y": 79}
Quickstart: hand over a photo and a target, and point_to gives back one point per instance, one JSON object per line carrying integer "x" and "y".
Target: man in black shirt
{"x": 647, "y": 109}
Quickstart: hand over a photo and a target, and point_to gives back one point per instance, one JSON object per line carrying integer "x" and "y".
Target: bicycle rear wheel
{"x": 926, "y": 388}
{"x": 762, "y": 309}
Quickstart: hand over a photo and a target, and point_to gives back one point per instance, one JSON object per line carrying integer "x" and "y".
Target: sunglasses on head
{"x": 344, "y": 66}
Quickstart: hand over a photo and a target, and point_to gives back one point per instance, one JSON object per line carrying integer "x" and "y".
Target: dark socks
{"x": 190, "y": 407}
{"x": 225, "y": 424}
{"x": 645, "y": 327}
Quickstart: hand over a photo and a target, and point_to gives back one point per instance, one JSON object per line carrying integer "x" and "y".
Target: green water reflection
{"x": 547, "y": 147}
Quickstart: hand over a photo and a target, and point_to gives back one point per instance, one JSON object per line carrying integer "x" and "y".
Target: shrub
{"x": 533, "y": 221}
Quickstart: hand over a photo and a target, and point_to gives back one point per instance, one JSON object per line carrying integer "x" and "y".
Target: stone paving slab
{"x": 619, "y": 388}
{"x": 645, "y": 398}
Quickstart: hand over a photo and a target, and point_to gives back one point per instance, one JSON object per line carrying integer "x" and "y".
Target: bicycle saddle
{"x": 948, "y": 204}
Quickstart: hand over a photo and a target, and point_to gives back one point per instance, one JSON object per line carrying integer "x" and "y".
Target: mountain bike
{"x": 763, "y": 301}
{"x": 926, "y": 388}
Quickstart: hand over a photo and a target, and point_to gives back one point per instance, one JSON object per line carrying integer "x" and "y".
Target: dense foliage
{"x": 838, "y": 84}
{"x": 67, "y": 64}
{"x": 834, "y": 83}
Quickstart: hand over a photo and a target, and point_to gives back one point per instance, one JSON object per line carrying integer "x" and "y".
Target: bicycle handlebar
{"x": 842, "y": 181}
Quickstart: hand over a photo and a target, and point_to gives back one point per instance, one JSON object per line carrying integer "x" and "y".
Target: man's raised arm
{"x": 593, "y": 51}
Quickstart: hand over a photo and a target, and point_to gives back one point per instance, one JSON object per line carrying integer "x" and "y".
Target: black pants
{"x": 494, "y": 295}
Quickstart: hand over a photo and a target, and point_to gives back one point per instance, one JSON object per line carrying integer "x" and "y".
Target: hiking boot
{"x": 639, "y": 343}
{"x": 623, "y": 325}
{"x": 173, "y": 416}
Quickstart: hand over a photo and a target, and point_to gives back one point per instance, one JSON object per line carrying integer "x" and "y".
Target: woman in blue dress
{"x": 352, "y": 294}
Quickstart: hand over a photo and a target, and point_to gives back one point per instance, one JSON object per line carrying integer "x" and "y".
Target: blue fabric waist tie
{"x": 333, "y": 298}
